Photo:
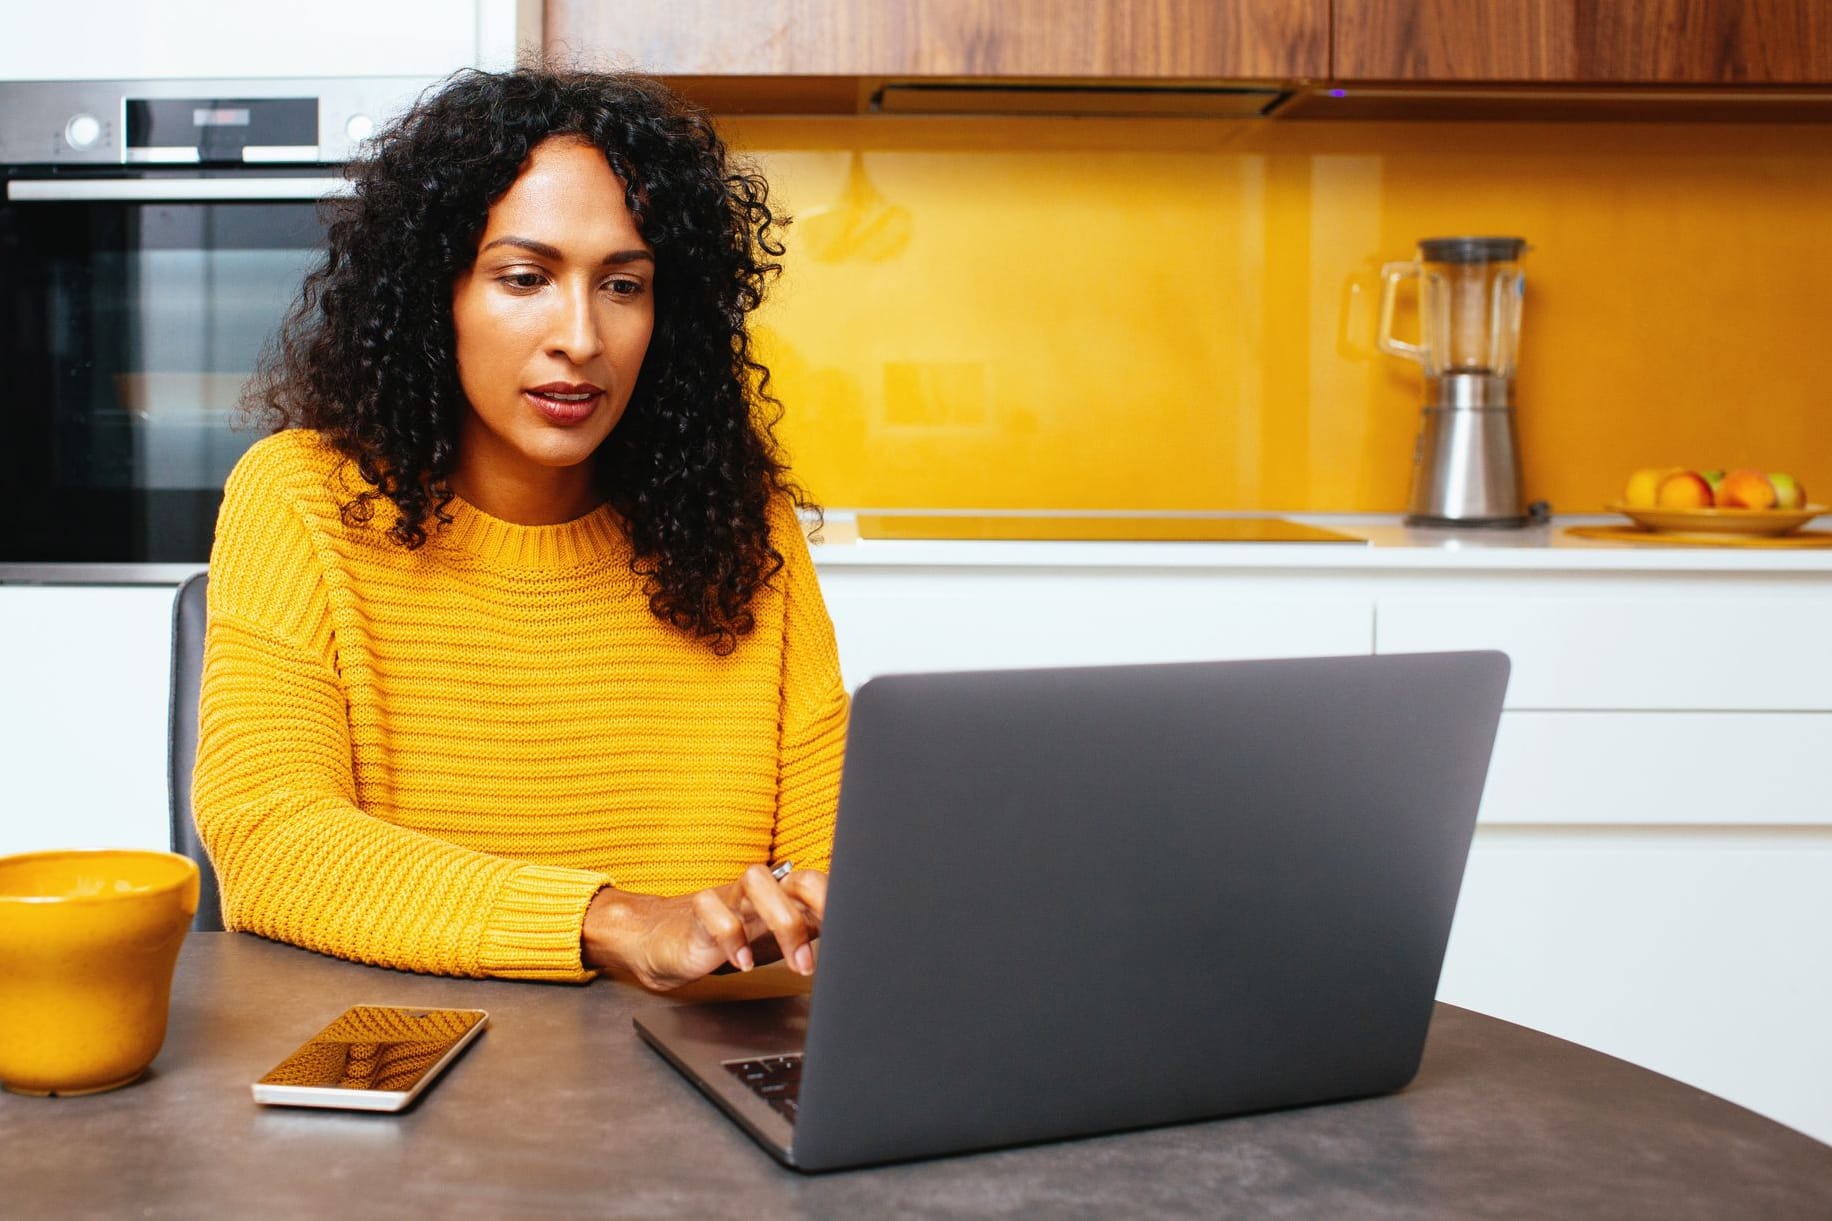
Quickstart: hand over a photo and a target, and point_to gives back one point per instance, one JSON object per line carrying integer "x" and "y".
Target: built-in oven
{"x": 152, "y": 236}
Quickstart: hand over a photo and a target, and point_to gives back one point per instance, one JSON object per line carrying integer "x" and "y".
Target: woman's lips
{"x": 564, "y": 404}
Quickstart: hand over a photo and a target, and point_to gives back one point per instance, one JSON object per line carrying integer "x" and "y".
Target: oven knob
{"x": 83, "y": 131}
{"x": 360, "y": 127}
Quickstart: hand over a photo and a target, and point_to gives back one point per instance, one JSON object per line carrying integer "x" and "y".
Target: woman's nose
{"x": 576, "y": 333}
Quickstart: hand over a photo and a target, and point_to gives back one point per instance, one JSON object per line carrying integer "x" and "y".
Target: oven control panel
{"x": 193, "y": 122}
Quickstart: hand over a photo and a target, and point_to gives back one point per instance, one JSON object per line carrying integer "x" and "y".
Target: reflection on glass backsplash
{"x": 1178, "y": 314}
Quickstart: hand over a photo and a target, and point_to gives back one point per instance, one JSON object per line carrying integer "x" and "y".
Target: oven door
{"x": 132, "y": 312}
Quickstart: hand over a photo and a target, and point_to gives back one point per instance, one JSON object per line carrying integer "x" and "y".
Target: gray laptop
{"x": 1074, "y": 901}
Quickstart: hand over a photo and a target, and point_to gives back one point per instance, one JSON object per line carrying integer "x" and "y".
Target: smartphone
{"x": 372, "y": 1058}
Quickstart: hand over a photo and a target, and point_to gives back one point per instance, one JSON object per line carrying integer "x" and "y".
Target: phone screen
{"x": 378, "y": 1048}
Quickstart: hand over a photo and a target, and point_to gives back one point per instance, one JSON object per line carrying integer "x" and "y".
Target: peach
{"x": 1683, "y": 490}
{"x": 1639, "y": 492}
{"x": 1788, "y": 492}
{"x": 1746, "y": 489}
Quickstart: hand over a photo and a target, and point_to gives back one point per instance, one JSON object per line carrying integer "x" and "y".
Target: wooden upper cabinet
{"x": 1178, "y": 39}
{"x": 1732, "y": 42}
{"x": 1451, "y": 40}
{"x": 1716, "y": 42}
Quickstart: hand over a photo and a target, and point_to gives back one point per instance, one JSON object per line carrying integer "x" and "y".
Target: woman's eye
{"x": 624, "y": 288}
{"x": 521, "y": 279}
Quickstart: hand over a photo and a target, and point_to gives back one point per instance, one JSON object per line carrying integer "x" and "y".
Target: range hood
{"x": 981, "y": 96}
{"x": 1089, "y": 98}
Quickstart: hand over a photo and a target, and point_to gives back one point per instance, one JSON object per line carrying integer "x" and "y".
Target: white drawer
{"x": 947, "y": 621}
{"x": 1660, "y": 768}
{"x": 1699, "y": 953}
{"x": 1686, "y": 646}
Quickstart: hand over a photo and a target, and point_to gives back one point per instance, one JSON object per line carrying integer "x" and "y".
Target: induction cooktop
{"x": 1095, "y": 529}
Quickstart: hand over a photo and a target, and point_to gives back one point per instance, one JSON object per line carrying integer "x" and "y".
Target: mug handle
{"x": 1390, "y": 276}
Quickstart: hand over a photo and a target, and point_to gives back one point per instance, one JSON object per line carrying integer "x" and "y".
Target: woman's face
{"x": 552, "y": 321}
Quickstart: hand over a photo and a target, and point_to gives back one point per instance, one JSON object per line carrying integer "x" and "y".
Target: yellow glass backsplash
{"x": 1178, "y": 314}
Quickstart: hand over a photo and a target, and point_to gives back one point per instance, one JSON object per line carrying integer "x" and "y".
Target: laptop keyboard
{"x": 775, "y": 1079}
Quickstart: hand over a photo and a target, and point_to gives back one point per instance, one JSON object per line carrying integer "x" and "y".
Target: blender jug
{"x": 1465, "y": 465}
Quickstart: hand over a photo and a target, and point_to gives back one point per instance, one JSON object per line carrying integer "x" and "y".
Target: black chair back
{"x": 188, "y": 617}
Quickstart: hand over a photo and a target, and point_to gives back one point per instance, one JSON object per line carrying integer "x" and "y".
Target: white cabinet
{"x": 1675, "y": 769}
{"x": 1652, "y": 875}
{"x": 889, "y": 620}
{"x": 1699, "y": 952}
{"x": 84, "y": 680}
{"x": 1652, "y": 872}
{"x": 1663, "y": 642}
{"x": 138, "y": 39}
{"x": 1656, "y": 699}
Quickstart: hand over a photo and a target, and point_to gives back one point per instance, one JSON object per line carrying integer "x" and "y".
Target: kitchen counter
{"x": 1390, "y": 545}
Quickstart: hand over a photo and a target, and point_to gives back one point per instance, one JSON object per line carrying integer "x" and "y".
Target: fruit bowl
{"x": 1720, "y": 521}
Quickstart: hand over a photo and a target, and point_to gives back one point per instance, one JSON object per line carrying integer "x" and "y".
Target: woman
{"x": 516, "y": 664}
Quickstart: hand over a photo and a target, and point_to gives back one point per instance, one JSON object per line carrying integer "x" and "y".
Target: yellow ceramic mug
{"x": 88, "y": 941}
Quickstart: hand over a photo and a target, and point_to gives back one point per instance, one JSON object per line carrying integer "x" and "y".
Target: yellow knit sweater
{"x": 432, "y": 759}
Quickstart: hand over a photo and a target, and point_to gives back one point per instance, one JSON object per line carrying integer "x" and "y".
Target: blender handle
{"x": 1390, "y": 276}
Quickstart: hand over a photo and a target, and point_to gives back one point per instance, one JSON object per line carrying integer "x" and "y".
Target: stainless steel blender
{"x": 1466, "y": 463}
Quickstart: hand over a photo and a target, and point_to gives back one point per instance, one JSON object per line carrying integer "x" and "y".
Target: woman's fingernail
{"x": 745, "y": 961}
{"x": 804, "y": 960}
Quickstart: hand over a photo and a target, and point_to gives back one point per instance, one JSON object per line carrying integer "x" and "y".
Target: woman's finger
{"x": 782, "y": 916}
{"x": 724, "y": 928}
{"x": 809, "y": 888}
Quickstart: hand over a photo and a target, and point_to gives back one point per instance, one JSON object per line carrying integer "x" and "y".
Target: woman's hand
{"x": 662, "y": 943}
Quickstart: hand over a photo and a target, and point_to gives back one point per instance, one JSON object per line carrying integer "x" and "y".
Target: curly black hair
{"x": 367, "y": 353}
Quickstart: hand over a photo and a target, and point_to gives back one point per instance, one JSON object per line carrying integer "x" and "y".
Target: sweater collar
{"x": 499, "y": 543}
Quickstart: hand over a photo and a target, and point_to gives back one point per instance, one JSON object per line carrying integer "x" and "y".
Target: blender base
{"x": 1421, "y": 521}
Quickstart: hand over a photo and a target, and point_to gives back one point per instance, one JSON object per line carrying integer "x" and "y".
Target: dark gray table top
{"x": 560, "y": 1110}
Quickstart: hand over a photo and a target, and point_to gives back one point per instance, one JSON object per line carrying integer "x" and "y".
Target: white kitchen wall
{"x": 84, "y": 688}
{"x": 137, "y": 39}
